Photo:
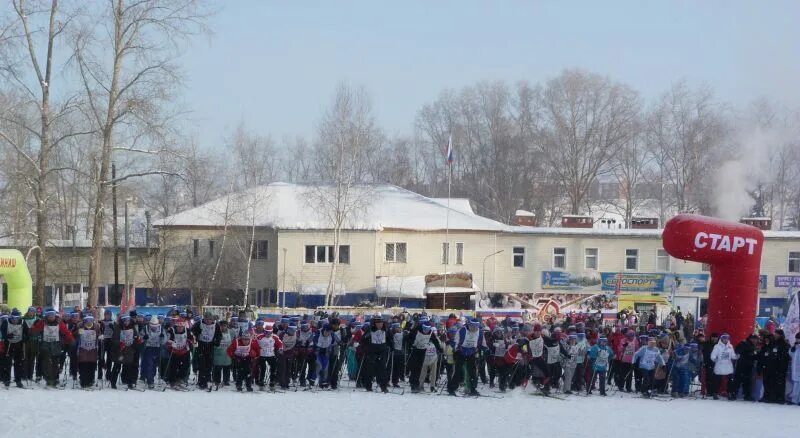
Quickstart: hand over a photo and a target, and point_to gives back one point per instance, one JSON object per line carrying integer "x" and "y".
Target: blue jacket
{"x": 649, "y": 358}
{"x": 469, "y": 351}
{"x": 601, "y": 356}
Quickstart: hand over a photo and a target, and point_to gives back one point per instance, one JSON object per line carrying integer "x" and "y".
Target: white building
{"x": 394, "y": 238}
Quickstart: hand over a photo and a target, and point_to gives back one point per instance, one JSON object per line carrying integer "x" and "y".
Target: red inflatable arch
{"x": 734, "y": 252}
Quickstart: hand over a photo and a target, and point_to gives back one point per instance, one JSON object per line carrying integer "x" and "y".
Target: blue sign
{"x": 555, "y": 280}
{"x": 787, "y": 281}
{"x": 654, "y": 282}
{"x": 560, "y": 280}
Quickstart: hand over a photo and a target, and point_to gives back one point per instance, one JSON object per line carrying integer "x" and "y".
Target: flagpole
{"x": 447, "y": 235}
{"x": 449, "y": 161}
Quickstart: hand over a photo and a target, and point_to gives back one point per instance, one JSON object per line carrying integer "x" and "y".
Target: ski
{"x": 135, "y": 389}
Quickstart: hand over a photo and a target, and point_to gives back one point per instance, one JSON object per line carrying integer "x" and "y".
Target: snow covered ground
{"x": 346, "y": 413}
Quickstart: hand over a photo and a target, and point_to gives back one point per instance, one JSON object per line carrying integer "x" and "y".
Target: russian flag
{"x": 450, "y": 150}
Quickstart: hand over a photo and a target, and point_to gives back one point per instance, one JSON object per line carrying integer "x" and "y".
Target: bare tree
{"x": 51, "y": 126}
{"x": 587, "y": 120}
{"x": 684, "y": 131}
{"x": 124, "y": 63}
{"x": 345, "y": 137}
{"x": 255, "y": 158}
{"x": 629, "y": 167}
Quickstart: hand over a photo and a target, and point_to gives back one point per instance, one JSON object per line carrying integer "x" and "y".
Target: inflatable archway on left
{"x": 15, "y": 272}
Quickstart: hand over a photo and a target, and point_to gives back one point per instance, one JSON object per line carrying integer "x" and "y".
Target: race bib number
{"x": 602, "y": 358}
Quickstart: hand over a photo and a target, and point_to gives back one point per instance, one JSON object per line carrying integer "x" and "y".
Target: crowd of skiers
{"x": 178, "y": 349}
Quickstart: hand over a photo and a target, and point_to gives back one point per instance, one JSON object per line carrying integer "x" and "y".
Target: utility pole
{"x": 483, "y": 276}
{"x": 283, "y": 280}
{"x": 127, "y": 253}
{"x": 114, "y": 230}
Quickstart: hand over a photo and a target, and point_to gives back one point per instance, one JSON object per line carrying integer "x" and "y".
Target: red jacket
{"x": 265, "y": 340}
{"x": 65, "y": 334}
{"x": 254, "y": 352}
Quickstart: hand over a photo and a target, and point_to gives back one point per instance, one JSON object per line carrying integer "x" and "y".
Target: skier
{"x": 376, "y": 346}
{"x": 430, "y": 366}
{"x": 221, "y": 374}
{"x": 723, "y": 356}
{"x": 570, "y": 362}
{"x": 624, "y": 352}
{"x": 287, "y": 362}
{"x": 243, "y": 351}
{"x": 88, "y": 338}
{"x": 154, "y": 338}
{"x": 207, "y": 334}
{"x": 305, "y": 354}
{"x": 73, "y": 323}
{"x": 398, "y": 354}
{"x": 55, "y": 336}
{"x": 340, "y": 340}
{"x": 177, "y": 344}
{"x": 538, "y": 364}
{"x": 107, "y": 327}
{"x": 323, "y": 349}
{"x": 268, "y": 345}
{"x": 649, "y": 358}
{"x": 497, "y": 350}
{"x": 600, "y": 355}
{"x": 681, "y": 371}
{"x": 14, "y": 334}
{"x": 31, "y": 363}
{"x": 420, "y": 337}
{"x": 470, "y": 342}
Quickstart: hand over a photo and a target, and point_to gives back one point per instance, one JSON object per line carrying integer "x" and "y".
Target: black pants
{"x": 500, "y": 369}
{"x": 73, "y": 362}
{"x": 463, "y": 364}
{"x": 205, "y": 361}
{"x": 261, "y": 371}
{"x": 648, "y": 377}
{"x": 415, "y": 360}
{"x": 221, "y": 374}
{"x": 335, "y": 367}
{"x": 744, "y": 380}
{"x": 32, "y": 362}
{"x": 774, "y": 387}
{"x": 624, "y": 377}
{"x": 377, "y": 367}
{"x": 286, "y": 368}
{"x": 579, "y": 377}
{"x": 601, "y": 375}
{"x": 16, "y": 354}
{"x": 481, "y": 364}
{"x": 178, "y": 366}
{"x": 5, "y": 367}
{"x": 554, "y": 371}
{"x": 86, "y": 372}
{"x": 398, "y": 366}
{"x": 306, "y": 367}
{"x": 107, "y": 358}
{"x": 50, "y": 357}
{"x": 243, "y": 375}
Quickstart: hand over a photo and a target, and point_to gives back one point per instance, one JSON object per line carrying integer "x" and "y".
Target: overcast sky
{"x": 274, "y": 64}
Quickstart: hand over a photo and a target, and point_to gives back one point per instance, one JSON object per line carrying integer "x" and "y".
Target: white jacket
{"x": 723, "y": 355}
{"x": 794, "y": 368}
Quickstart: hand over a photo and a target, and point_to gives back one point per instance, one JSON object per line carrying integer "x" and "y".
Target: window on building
{"x": 559, "y": 258}
{"x": 519, "y": 256}
{"x": 590, "y": 258}
{"x": 326, "y": 254}
{"x": 260, "y": 248}
{"x": 662, "y": 261}
{"x": 396, "y": 252}
{"x": 631, "y": 259}
{"x": 794, "y": 261}
{"x": 211, "y": 244}
{"x": 459, "y": 253}
{"x": 445, "y": 253}
{"x": 195, "y": 247}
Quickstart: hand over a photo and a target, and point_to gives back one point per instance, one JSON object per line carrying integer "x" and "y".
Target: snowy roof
{"x": 403, "y": 287}
{"x": 523, "y": 213}
{"x": 460, "y": 204}
{"x": 625, "y": 232}
{"x": 295, "y": 206}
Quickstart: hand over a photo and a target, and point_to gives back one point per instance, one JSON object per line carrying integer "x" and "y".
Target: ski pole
{"x": 360, "y": 367}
